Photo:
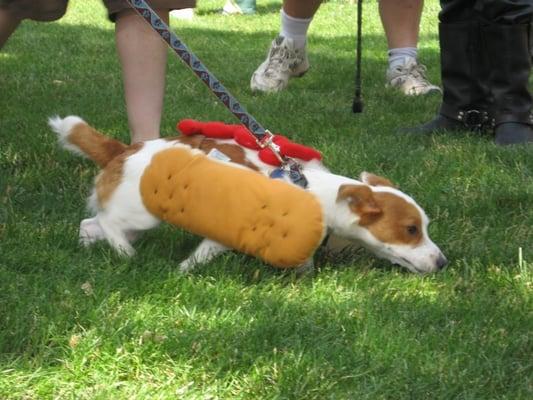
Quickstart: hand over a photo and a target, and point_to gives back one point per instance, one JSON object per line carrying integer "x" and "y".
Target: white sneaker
{"x": 284, "y": 61}
{"x": 230, "y": 8}
{"x": 184, "y": 14}
{"x": 410, "y": 79}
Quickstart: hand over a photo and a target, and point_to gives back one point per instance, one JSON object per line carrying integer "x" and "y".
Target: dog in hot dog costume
{"x": 234, "y": 205}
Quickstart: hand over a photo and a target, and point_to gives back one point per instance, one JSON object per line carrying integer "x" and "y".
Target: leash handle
{"x": 200, "y": 70}
{"x": 357, "y": 105}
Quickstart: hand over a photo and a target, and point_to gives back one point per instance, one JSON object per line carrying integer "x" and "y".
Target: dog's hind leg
{"x": 206, "y": 251}
{"x": 116, "y": 235}
{"x": 90, "y": 231}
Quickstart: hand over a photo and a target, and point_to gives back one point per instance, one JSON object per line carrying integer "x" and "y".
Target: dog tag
{"x": 296, "y": 176}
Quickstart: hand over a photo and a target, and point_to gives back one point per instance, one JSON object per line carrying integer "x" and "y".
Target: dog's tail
{"x": 75, "y": 135}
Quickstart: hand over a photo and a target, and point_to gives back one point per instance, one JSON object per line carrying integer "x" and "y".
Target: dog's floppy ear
{"x": 360, "y": 199}
{"x": 375, "y": 180}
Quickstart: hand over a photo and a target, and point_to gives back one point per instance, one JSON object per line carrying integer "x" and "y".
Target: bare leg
{"x": 401, "y": 21}
{"x": 301, "y": 8}
{"x": 143, "y": 55}
{"x": 8, "y": 25}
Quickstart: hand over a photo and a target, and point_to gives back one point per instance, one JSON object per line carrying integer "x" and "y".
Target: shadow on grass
{"x": 227, "y": 324}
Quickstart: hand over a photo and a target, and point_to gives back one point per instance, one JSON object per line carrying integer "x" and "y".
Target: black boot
{"x": 510, "y": 60}
{"x": 466, "y": 96}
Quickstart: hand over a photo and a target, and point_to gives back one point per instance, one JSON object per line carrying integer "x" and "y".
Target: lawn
{"x": 81, "y": 323}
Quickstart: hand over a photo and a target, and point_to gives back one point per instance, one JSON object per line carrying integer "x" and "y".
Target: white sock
{"x": 400, "y": 55}
{"x": 295, "y": 29}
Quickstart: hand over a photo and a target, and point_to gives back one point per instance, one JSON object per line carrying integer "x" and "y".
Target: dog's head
{"x": 389, "y": 223}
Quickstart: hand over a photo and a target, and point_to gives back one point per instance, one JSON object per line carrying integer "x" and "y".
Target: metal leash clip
{"x": 267, "y": 141}
{"x": 288, "y": 165}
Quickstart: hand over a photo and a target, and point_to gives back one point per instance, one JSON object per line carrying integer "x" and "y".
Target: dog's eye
{"x": 412, "y": 230}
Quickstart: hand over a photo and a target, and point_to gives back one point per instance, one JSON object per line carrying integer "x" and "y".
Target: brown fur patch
{"x": 388, "y": 217}
{"x": 399, "y": 223}
{"x": 97, "y": 147}
{"x": 376, "y": 180}
{"x": 235, "y": 152}
{"x": 111, "y": 176}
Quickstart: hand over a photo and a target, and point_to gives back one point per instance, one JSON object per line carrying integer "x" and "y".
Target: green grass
{"x": 86, "y": 324}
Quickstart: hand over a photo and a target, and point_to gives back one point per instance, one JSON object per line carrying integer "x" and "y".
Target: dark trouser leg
{"x": 466, "y": 97}
{"x": 506, "y": 12}
{"x": 464, "y": 67}
{"x": 507, "y": 35}
{"x": 508, "y": 49}
{"x": 454, "y": 11}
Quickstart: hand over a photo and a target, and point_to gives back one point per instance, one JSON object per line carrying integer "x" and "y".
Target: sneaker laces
{"x": 418, "y": 72}
{"x": 281, "y": 58}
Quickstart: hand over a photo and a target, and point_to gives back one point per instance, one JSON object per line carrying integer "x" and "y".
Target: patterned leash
{"x": 263, "y": 137}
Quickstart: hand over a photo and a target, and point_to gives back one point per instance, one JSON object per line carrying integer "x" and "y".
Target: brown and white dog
{"x": 370, "y": 212}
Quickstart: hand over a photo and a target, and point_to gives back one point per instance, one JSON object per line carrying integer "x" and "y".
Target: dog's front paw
{"x": 306, "y": 268}
{"x": 187, "y": 265}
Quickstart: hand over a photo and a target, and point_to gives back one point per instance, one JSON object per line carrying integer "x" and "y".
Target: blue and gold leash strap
{"x": 262, "y": 136}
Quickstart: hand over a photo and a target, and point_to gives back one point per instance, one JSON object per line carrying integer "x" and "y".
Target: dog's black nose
{"x": 441, "y": 262}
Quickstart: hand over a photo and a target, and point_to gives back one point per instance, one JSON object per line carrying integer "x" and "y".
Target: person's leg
{"x": 401, "y": 22}
{"x": 296, "y": 17}
{"x": 466, "y": 102}
{"x": 301, "y": 8}
{"x": 287, "y": 55}
{"x": 13, "y": 12}
{"x": 8, "y": 25}
{"x": 507, "y": 35}
{"x": 143, "y": 56}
